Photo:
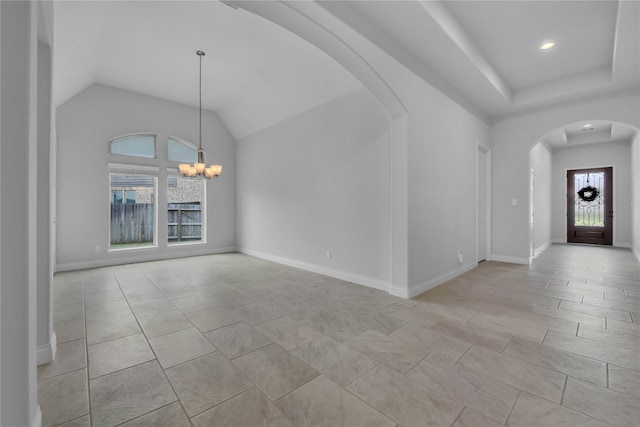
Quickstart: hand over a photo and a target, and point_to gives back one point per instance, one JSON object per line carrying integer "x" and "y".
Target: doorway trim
{"x": 487, "y": 199}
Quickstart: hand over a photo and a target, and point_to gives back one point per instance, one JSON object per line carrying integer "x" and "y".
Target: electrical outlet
{"x": 460, "y": 257}
{"x": 328, "y": 254}
{"x": 96, "y": 248}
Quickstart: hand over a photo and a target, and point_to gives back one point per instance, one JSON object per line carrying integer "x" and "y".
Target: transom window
{"x": 181, "y": 151}
{"x": 140, "y": 145}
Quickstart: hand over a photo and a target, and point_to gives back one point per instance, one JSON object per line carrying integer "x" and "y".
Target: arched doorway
{"x": 581, "y": 203}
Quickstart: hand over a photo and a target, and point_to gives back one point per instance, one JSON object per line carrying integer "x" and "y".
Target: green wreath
{"x": 588, "y": 193}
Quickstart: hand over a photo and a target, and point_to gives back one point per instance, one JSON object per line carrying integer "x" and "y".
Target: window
{"x": 185, "y": 209}
{"x": 141, "y": 145}
{"x": 133, "y": 213}
{"x": 181, "y": 151}
{"x": 133, "y": 188}
{"x": 129, "y": 196}
{"x": 117, "y": 197}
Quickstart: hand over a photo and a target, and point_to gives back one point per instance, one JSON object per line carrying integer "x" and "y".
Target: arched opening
{"x": 316, "y": 25}
{"x": 570, "y": 152}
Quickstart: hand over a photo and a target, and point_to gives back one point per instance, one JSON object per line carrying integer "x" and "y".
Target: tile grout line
{"x": 86, "y": 350}
{"x": 564, "y": 388}
{"x": 515, "y": 402}
{"x": 459, "y": 415}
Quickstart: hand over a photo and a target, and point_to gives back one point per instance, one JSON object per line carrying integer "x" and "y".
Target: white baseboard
{"x": 541, "y": 249}
{"x": 416, "y": 290}
{"x": 338, "y": 274}
{"x": 399, "y": 291}
{"x": 127, "y": 257}
{"x": 37, "y": 420}
{"x": 510, "y": 259}
{"x": 622, "y": 245}
{"x": 615, "y": 244}
{"x": 636, "y": 252}
{"x": 45, "y": 353}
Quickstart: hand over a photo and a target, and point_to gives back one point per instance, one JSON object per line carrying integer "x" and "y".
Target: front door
{"x": 590, "y": 206}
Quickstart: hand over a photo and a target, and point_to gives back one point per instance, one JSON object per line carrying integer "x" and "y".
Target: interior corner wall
{"x": 511, "y": 140}
{"x": 635, "y": 195}
{"x": 442, "y": 188}
{"x": 540, "y": 160}
{"x": 85, "y": 125}
{"x": 313, "y": 191}
{"x": 616, "y": 154}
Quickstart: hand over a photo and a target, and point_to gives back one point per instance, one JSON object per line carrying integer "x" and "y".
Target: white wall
{"x": 442, "y": 161}
{"x": 431, "y": 137}
{"x": 18, "y": 223}
{"x": 511, "y": 139}
{"x": 434, "y": 162}
{"x": 85, "y": 124}
{"x": 316, "y": 182}
{"x": 440, "y": 166}
{"x": 46, "y": 344}
{"x": 615, "y": 154}
{"x": 540, "y": 161}
{"x": 635, "y": 196}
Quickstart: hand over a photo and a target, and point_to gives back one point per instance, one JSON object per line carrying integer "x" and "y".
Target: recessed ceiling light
{"x": 588, "y": 125}
{"x": 547, "y": 45}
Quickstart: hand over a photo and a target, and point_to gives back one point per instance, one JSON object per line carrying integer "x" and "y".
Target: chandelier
{"x": 200, "y": 168}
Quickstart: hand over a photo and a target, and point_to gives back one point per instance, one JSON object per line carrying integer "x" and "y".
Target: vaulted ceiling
{"x": 483, "y": 54}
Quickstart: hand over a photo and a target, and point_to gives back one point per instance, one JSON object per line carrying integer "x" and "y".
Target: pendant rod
{"x": 200, "y": 54}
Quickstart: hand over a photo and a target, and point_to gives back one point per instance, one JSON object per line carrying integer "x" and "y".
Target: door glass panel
{"x": 589, "y": 199}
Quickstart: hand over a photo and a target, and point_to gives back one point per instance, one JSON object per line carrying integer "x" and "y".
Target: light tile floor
{"x": 231, "y": 340}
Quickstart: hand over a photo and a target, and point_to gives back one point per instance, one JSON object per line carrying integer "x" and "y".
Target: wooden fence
{"x": 132, "y": 223}
{"x": 184, "y": 221}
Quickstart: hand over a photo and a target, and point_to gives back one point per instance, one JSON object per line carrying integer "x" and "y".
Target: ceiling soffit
{"x": 487, "y": 51}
